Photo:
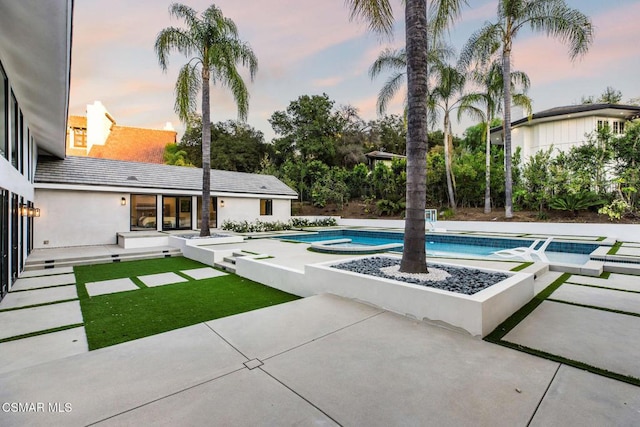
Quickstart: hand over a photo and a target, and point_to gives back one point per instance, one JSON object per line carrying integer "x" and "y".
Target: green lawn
{"x": 125, "y": 316}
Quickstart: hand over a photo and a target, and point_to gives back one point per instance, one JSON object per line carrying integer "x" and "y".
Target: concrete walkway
{"x": 322, "y": 360}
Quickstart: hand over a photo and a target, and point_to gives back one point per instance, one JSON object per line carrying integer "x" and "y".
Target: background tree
{"x": 554, "y": 18}
{"x": 445, "y": 97}
{"x": 309, "y": 127}
{"x": 212, "y": 43}
{"x": 489, "y": 77}
{"x": 610, "y": 96}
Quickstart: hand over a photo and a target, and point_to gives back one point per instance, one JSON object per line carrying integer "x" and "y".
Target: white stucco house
{"x": 564, "y": 127}
{"x": 35, "y": 64}
{"x": 88, "y": 201}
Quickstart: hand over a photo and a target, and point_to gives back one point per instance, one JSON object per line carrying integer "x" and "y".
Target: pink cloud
{"x": 547, "y": 60}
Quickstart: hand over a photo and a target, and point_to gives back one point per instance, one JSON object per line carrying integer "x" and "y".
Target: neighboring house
{"x": 103, "y": 197}
{"x": 97, "y": 135}
{"x": 375, "y": 157}
{"x": 35, "y": 64}
{"x": 564, "y": 127}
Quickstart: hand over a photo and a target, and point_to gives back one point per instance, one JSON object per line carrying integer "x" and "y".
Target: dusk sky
{"x": 307, "y": 47}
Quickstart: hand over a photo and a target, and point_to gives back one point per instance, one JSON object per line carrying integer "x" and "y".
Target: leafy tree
{"x": 554, "y": 18}
{"x": 610, "y": 96}
{"x": 309, "y": 127}
{"x": 590, "y": 162}
{"x": 212, "y": 44}
{"x": 379, "y": 15}
{"x": 174, "y": 155}
{"x": 388, "y": 133}
{"x": 236, "y": 146}
{"x": 358, "y": 181}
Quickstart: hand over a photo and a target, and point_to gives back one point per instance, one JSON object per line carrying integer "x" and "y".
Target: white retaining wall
{"x": 478, "y": 314}
{"x": 621, "y": 232}
{"x": 279, "y": 277}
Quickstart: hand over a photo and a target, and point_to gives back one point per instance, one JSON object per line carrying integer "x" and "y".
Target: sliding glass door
{"x": 176, "y": 212}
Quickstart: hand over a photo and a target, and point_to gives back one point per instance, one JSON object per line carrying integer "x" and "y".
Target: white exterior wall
{"x": 99, "y": 124}
{"x": 79, "y": 218}
{"x": 248, "y": 209}
{"x": 561, "y": 134}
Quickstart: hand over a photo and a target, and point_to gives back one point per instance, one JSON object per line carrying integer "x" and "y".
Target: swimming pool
{"x": 446, "y": 245}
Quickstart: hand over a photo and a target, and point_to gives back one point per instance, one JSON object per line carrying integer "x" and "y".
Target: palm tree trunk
{"x": 414, "y": 258}
{"x": 487, "y": 167}
{"x": 447, "y": 161}
{"x": 508, "y": 182}
{"x": 206, "y": 153}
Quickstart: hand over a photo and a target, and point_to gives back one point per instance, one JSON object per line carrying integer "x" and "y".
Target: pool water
{"x": 437, "y": 246}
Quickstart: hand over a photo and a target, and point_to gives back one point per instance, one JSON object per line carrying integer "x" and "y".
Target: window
{"x": 78, "y": 137}
{"x": 21, "y": 143}
{"x": 13, "y": 126}
{"x": 143, "y": 212}
{"x": 266, "y": 207}
{"x": 621, "y": 127}
{"x": 602, "y": 124}
{"x": 3, "y": 113}
{"x": 615, "y": 127}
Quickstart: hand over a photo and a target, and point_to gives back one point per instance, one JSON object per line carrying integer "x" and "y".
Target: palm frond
{"x": 388, "y": 91}
{"x": 377, "y": 13}
{"x": 170, "y": 39}
{"x": 187, "y": 89}
{"x": 389, "y": 60}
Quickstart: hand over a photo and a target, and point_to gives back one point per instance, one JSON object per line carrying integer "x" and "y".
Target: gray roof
{"x": 117, "y": 173}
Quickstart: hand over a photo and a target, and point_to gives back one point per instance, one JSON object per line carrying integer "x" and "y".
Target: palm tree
{"x": 489, "y": 78}
{"x": 379, "y": 15}
{"x": 553, "y": 17}
{"x": 212, "y": 44}
{"x": 447, "y": 96}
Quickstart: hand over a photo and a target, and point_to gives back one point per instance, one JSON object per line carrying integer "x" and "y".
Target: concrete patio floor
{"x": 322, "y": 360}
{"x": 325, "y": 360}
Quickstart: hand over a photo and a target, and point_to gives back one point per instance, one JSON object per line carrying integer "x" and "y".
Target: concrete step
{"x": 72, "y": 261}
{"x": 226, "y": 266}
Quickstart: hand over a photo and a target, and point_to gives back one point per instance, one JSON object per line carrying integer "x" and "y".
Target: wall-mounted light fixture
{"x": 123, "y": 201}
{"x": 29, "y": 211}
{"x": 222, "y": 203}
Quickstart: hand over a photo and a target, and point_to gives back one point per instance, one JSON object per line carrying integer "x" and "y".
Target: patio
{"x": 330, "y": 360}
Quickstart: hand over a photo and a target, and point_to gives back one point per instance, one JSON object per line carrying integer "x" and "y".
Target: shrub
{"x": 575, "y": 202}
{"x": 615, "y": 210}
{"x": 260, "y": 226}
{"x": 389, "y": 207}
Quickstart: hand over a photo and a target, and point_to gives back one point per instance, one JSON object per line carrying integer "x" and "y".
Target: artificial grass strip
{"x": 571, "y": 362}
{"x": 505, "y": 327}
{"x": 522, "y": 266}
{"x": 614, "y": 249}
{"x": 116, "y": 318}
{"x": 43, "y": 332}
